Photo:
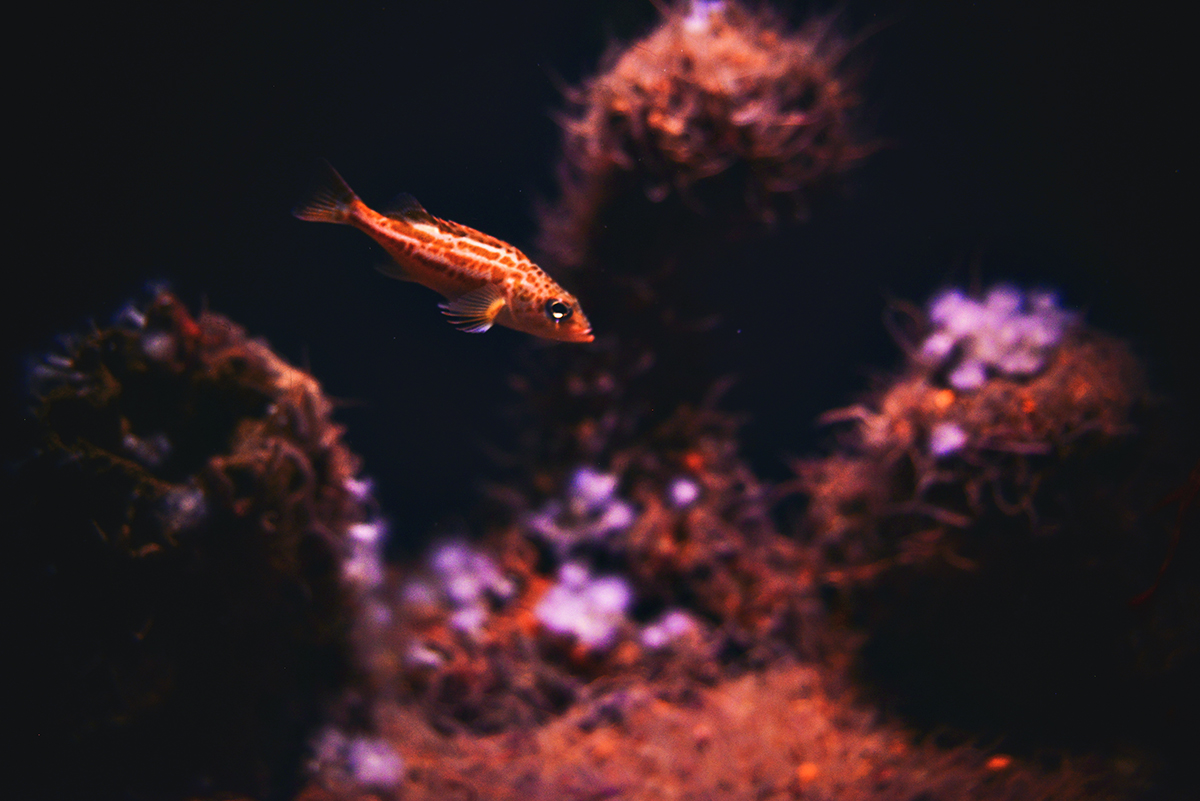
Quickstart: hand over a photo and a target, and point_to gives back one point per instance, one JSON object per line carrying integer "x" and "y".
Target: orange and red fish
{"x": 485, "y": 281}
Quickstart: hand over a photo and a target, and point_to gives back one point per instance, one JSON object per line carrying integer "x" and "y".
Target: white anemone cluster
{"x": 363, "y": 566}
{"x": 591, "y": 609}
{"x": 590, "y": 513}
{"x": 358, "y": 761}
{"x": 465, "y": 581}
{"x": 1008, "y": 332}
{"x": 673, "y": 625}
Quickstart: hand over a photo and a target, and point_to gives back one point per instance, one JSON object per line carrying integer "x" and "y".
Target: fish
{"x": 484, "y": 280}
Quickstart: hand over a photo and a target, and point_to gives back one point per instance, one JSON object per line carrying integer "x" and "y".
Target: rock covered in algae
{"x": 178, "y": 538}
{"x": 986, "y": 518}
{"x": 997, "y": 394}
{"x": 720, "y": 108}
{"x": 665, "y": 562}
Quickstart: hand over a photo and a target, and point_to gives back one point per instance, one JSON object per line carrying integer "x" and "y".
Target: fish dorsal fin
{"x": 476, "y": 311}
{"x": 406, "y": 207}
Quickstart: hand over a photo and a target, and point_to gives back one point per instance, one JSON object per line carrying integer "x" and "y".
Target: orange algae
{"x": 886, "y": 469}
{"x": 786, "y": 732}
{"x": 721, "y": 108}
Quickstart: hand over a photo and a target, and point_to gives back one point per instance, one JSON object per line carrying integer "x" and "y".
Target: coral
{"x": 1008, "y": 333}
{"x": 465, "y": 639}
{"x": 694, "y": 535}
{"x": 187, "y": 539}
{"x": 786, "y": 732}
{"x": 588, "y": 609}
{"x": 980, "y": 521}
{"x": 467, "y": 578}
{"x": 994, "y": 386}
{"x": 664, "y": 560}
{"x": 704, "y": 541}
{"x": 347, "y": 764}
{"x": 591, "y": 514}
{"x": 720, "y": 108}
{"x": 672, "y": 626}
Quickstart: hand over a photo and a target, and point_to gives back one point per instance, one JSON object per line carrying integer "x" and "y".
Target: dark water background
{"x": 169, "y": 142}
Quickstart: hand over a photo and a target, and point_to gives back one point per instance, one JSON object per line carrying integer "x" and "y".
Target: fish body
{"x": 485, "y": 281}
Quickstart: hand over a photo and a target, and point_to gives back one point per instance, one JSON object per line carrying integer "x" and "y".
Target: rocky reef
{"x": 179, "y": 535}
{"x": 949, "y": 598}
{"x": 721, "y": 113}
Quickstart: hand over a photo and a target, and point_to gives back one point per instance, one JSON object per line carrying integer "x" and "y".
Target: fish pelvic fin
{"x": 395, "y": 270}
{"x": 331, "y": 202}
{"x": 476, "y": 311}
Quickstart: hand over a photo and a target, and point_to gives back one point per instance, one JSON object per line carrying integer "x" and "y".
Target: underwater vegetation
{"x": 634, "y": 572}
{"x": 991, "y": 387}
{"x": 997, "y": 464}
{"x": 721, "y": 113}
{"x": 181, "y": 534}
{"x": 935, "y": 606}
{"x": 643, "y": 604}
{"x": 719, "y": 123}
{"x": 666, "y": 561}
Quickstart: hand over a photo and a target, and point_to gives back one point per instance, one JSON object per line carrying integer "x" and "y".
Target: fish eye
{"x": 558, "y": 311}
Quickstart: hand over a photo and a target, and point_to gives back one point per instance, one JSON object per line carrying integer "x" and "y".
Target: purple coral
{"x": 589, "y": 609}
{"x": 590, "y": 513}
{"x": 363, "y": 566}
{"x": 946, "y": 439}
{"x": 668, "y": 629}
{"x": 354, "y": 762}
{"x": 466, "y": 578}
{"x": 1009, "y": 332}
{"x": 591, "y": 490}
{"x": 683, "y": 492}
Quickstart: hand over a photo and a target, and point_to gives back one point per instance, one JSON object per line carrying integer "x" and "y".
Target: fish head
{"x": 553, "y": 314}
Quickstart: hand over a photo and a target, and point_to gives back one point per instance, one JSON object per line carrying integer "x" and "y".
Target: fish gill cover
{"x": 934, "y": 606}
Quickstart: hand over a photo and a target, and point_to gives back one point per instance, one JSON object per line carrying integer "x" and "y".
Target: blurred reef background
{"x": 893, "y": 406}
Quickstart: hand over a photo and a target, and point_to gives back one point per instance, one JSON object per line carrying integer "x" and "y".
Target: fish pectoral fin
{"x": 475, "y": 311}
{"x": 394, "y": 270}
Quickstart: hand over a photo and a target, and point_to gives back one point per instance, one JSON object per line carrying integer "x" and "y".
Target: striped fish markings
{"x": 485, "y": 281}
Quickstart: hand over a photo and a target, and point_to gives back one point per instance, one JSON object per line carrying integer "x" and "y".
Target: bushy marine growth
{"x": 181, "y": 543}
{"x": 648, "y": 528}
{"x": 721, "y": 110}
{"x": 666, "y": 562}
{"x": 993, "y": 385}
{"x": 981, "y": 520}
{"x": 719, "y": 119}
{"x": 596, "y": 695}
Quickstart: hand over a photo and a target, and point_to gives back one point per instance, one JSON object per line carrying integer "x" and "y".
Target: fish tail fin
{"x": 331, "y": 202}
